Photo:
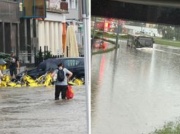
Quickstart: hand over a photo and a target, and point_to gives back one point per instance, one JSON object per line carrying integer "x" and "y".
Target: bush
{"x": 42, "y": 56}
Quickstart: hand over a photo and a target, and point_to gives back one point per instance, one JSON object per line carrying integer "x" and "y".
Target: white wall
{"x": 50, "y": 16}
{"x": 147, "y": 30}
{"x": 50, "y": 32}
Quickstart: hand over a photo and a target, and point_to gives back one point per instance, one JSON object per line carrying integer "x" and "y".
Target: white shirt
{"x": 64, "y": 82}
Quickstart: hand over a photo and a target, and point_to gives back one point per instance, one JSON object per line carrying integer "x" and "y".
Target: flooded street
{"x": 134, "y": 91}
{"x": 34, "y": 111}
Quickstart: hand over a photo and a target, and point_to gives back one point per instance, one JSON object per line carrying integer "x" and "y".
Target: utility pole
{"x": 117, "y": 35}
{"x": 102, "y": 37}
{"x": 94, "y": 27}
{"x": 87, "y": 61}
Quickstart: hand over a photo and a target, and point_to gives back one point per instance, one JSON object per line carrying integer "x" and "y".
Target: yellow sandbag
{"x": 33, "y": 84}
{"x": 11, "y": 84}
{"x": 24, "y": 85}
{"x": 39, "y": 79}
{"x": 3, "y": 84}
{"x": 6, "y": 78}
{"x": 28, "y": 78}
{"x": 18, "y": 85}
{"x": 78, "y": 82}
{"x": 40, "y": 85}
{"x": 48, "y": 80}
{"x": 3, "y": 67}
{"x": 72, "y": 83}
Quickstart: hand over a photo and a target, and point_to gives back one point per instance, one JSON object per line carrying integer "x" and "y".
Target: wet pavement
{"x": 34, "y": 111}
{"x": 134, "y": 91}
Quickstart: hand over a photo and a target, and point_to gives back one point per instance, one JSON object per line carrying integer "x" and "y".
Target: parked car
{"x": 75, "y": 65}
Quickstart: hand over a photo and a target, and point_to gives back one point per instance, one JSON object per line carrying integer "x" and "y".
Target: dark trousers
{"x": 13, "y": 70}
{"x": 62, "y": 89}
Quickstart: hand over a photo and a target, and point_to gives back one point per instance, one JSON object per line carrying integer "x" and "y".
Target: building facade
{"x": 9, "y": 26}
{"x": 41, "y": 29}
{"x": 25, "y": 26}
{"x": 75, "y": 10}
{"x": 50, "y": 32}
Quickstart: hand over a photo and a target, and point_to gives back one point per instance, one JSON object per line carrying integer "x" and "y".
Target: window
{"x": 68, "y": 4}
{"x": 72, "y": 4}
{"x": 34, "y": 9}
{"x": 39, "y": 8}
{"x": 28, "y": 8}
{"x": 71, "y": 63}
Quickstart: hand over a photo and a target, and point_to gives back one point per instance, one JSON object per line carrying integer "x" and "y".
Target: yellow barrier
{"x": 46, "y": 80}
{"x": 75, "y": 82}
{"x": 3, "y": 84}
{"x": 3, "y": 67}
{"x": 6, "y": 78}
{"x": 78, "y": 82}
{"x": 11, "y": 84}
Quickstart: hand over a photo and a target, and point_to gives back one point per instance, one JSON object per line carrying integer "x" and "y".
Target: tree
{"x": 168, "y": 32}
{"x": 177, "y": 32}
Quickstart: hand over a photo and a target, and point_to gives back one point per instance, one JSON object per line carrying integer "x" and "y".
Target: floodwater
{"x": 134, "y": 91}
{"x": 34, "y": 111}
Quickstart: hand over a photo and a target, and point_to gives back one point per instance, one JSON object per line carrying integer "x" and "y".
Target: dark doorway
{"x": 1, "y": 38}
{"x": 7, "y": 38}
{"x": 14, "y": 38}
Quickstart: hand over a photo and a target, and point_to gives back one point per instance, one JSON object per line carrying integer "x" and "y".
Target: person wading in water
{"x": 61, "y": 83}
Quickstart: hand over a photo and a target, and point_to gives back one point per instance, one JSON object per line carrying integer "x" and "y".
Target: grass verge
{"x": 167, "y": 42}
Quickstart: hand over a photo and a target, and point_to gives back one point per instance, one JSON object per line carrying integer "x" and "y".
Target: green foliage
{"x": 169, "y": 128}
{"x": 177, "y": 32}
{"x": 40, "y": 53}
{"x": 42, "y": 56}
{"x": 169, "y": 32}
{"x": 47, "y": 54}
{"x": 4, "y": 56}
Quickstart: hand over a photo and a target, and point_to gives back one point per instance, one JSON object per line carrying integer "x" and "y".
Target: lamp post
{"x": 94, "y": 27}
{"x": 87, "y": 60}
